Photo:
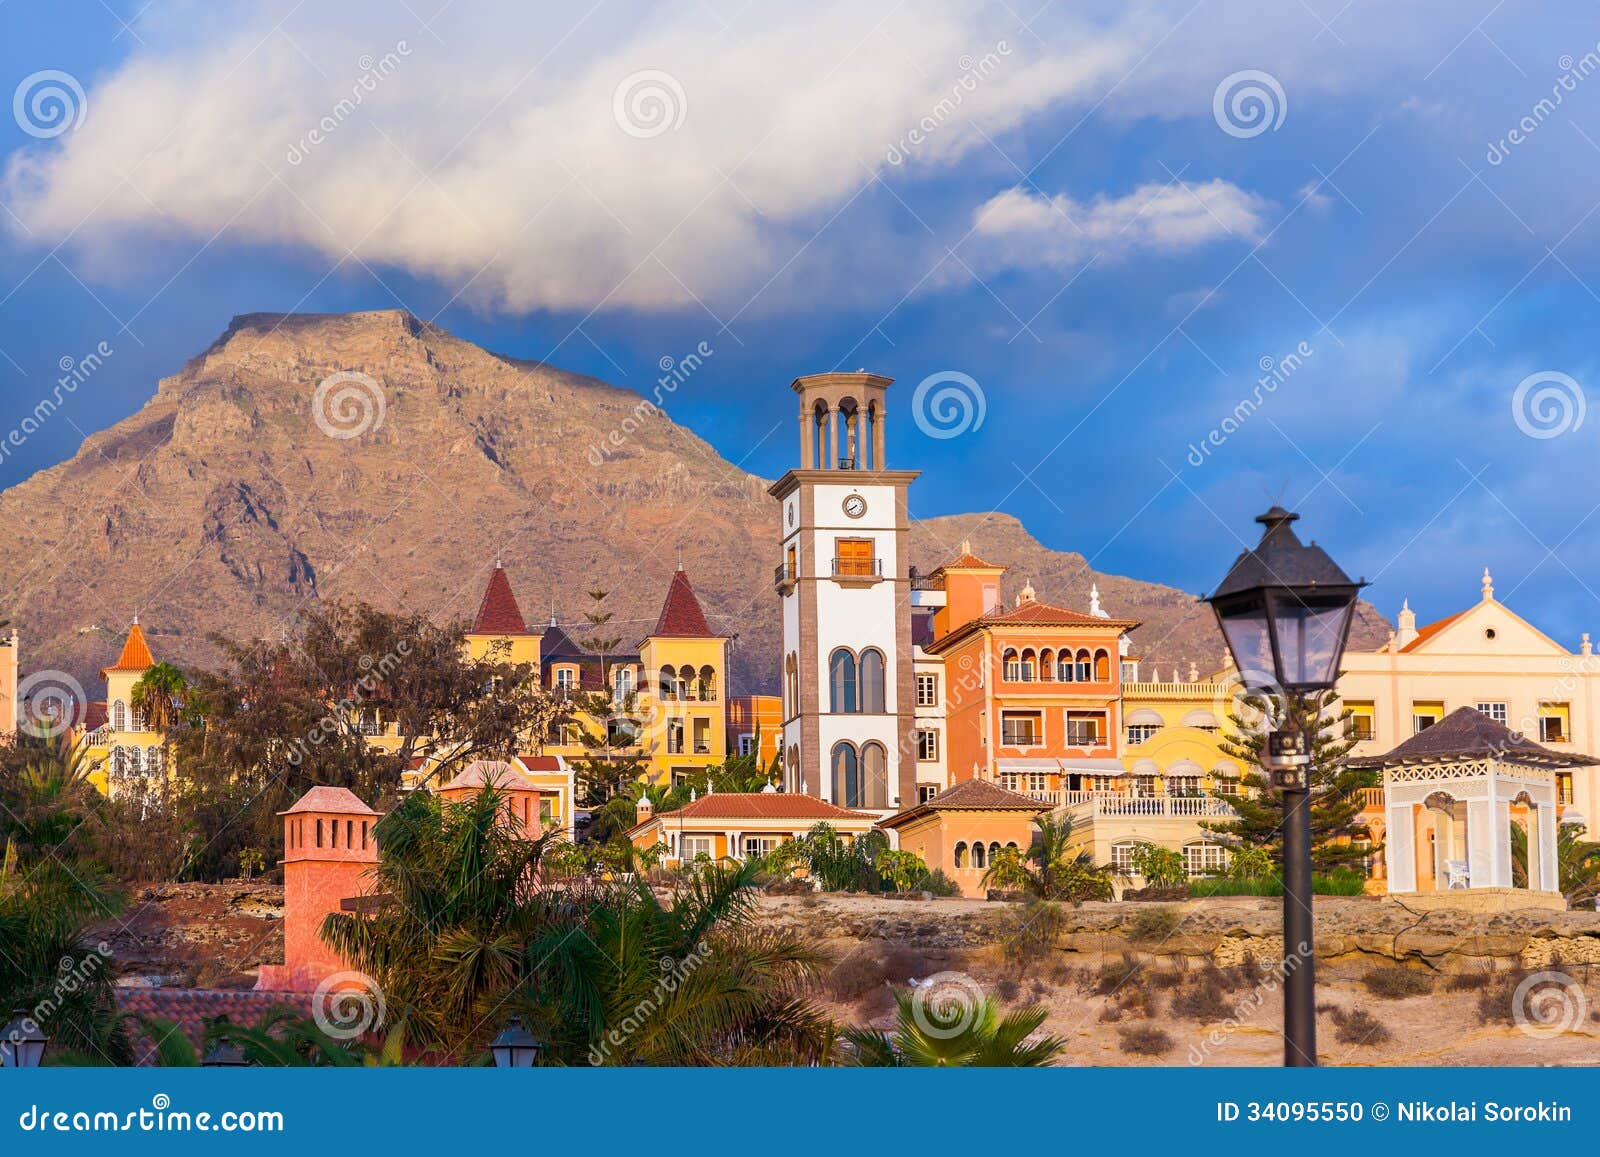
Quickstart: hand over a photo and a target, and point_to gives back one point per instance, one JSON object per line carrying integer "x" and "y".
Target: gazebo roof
{"x": 1469, "y": 734}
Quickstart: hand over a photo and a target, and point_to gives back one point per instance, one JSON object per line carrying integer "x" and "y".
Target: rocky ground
{"x": 1125, "y": 984}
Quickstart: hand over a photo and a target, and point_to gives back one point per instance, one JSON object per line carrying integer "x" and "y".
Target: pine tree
{"x": 613, "y": 754}
{"x": 1338, "y": 835}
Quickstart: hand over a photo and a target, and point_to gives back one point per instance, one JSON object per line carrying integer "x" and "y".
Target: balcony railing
{"x": 1372, "y": 799}
{"x": 1117, "y": 804}
{"x": 783, "y": 575}
{"x": 858, "y": 568}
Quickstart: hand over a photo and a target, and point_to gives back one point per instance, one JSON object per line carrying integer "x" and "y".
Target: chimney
{"x": 644, "y": 810}
{"x": 1407, "y": 623}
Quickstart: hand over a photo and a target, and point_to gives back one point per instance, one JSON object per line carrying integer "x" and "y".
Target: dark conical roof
{"x": 1280, "y": 559}
{"x": 499, "y": 614}
{"x": 681, "y": 616}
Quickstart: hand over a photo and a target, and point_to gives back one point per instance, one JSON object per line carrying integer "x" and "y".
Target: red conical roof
{"x": 499, "y": 614}
{"x": 681, "y": 616}
{"x": 135, "y": 655}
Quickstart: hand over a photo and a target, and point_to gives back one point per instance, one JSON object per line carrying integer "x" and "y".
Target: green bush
{"x": 1153, "y": 924}
{"x": 1339, "y": 882}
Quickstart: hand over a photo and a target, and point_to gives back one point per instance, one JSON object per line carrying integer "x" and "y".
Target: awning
{"x": 1143, "y": 717}
{"x": 1199, "y": 718}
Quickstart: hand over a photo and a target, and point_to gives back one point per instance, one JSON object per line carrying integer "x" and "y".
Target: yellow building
{"x": 118, "y": 745}
{"x": 685, "y": 667}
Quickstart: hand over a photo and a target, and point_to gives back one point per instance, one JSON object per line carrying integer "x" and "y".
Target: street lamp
{"x": 224, "y": 1055}
{"x": 515, "y": 1047}
{"x": 1285, "y": 609}
{"x": 22, "y": 1042}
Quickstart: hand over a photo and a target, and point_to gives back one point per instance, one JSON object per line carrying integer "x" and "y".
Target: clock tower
{"x": 844, "y": 586}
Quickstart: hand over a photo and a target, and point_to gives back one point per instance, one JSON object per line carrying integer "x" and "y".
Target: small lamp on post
{"x": 515, "y": 1047}
{"x": 22, "y": 1042}
{"x": 1285, "y": 610}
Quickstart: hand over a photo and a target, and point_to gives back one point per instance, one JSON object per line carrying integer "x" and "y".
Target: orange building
{"x": 1032, "y": 694}
{"x": 755, "y": 726}
{"x": 963, "y": 828}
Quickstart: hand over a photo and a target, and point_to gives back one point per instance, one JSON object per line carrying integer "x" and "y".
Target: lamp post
{"x": 515, "y": 1047}
{"x": 224, "y": 1055}
{"x": 22, "y": 1042}
{"x": 1284, "y": 609}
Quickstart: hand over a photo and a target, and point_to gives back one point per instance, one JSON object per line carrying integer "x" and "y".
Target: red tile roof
{"x": 762, "y": 805}
{"x": 970, "y": 795}
{"x": 541, "y": 762}
{"x": 190, "y": 1008}
{"x": 338, "y": 800}
{"x": 1045, "y": 614}
{"x": 681, "y": 616}
{"x": 135, "y": 655}
{"x": 1432, "y": 629}
{"x": 91, "y": 716}
{"x": 480, "y": 772}
{"x": 499, "y": 614}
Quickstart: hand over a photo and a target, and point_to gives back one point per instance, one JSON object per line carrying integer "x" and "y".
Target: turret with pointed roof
{"x": 499, "y": 624}
{"x": 681, "y": 615}
{"x": 135, "y": 655}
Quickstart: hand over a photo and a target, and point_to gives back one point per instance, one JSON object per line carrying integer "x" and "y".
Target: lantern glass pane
{"x": 1251, "y": 644}
{"x": 1309, "y": 638}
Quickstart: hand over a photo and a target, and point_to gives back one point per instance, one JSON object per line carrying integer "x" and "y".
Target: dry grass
{"x": 1390, "y": 982}
{"x": 1144, "y": 1040}
{"x": 1204, "y": 1000}
{"x": 1358, "y": 1027}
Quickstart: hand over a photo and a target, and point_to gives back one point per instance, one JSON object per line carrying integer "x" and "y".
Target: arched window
{"x": 961, "y": 854}
{"x": 1047, "y": 665}
{"x": 791, "y": 769}
{"x": 1122, "y": 856}
{"x": 1064, "y": 668}
{"x": 874, "y": 776}
{"x": 119, "y": 761}
{"x": 994, "y": 850}
{"x": 980, "y": 856}
{"x": 669, "y": 683}
{"x": 820, "y": 448}
{"x": 1085, "y": 673}
{"x": 119, "y": 716}
{"x": 686, "y": 682}
{"x": 842, "y": 690}
{"x": 1204, "y": 858}
{"x": 1011, "y": 665}
{"x": 872, "y": 699}
{"x": 846, "y": 776}
{"x": 154, "y": 758}
{"x": 708, "y": 684}
{"x": 135, "y": 761}
{"x": 1030, "y": 665}
{"x": 1102, "y": 667}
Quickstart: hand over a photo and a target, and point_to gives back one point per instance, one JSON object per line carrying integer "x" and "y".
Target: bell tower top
{"x": 842, "y": 421}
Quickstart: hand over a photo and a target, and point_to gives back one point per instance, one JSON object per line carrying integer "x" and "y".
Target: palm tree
{"x": 280, "y": 1038}
{"x": 1049, "y": 869}
{"x": 963, "y": 1034}
{"x": 1579, "y": 860}
{"x": 160, "y": 697}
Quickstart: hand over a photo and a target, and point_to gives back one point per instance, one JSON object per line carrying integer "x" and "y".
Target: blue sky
{"x": 1086, "y": 234}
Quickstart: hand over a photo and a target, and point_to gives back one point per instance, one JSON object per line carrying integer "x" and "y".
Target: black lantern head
{"x": 22, "y": 1042}
{"x": 515, "y": 1047}
{"x": 1285, "y": 610}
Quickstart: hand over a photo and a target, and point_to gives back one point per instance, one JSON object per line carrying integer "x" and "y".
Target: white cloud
{"x": 1022, "y": 229}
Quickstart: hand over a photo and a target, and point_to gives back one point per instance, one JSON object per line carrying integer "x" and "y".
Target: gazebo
{"x": 1452, "y": 794}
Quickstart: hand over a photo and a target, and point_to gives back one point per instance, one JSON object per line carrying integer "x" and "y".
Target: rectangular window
{"x": 854, "y": 557}
{"x": 547, "y": 812}
{"x": 1013, "y": 670}
{"x": 926, "y": 791}
{"x": 1140, "y": 732}
{"x": 757, "y": 846}
{"x": 927, "y": 744}
{"x": 1019, "y": 728}
{"x": 674, "y": 737}
{"x": 1085, "y": 729}
{"x": 1205, "y": 858}
{"x": 747, "y": 744}
{"x": 1362, "y": 722}
{"x": 1025, "y": 782}
{"x": 1563, "y": 787}
{"x": 927, "y": 690}
{"x": 693, "y": 847}
{"x": 1495, "y": 711}
{"x": 702, "y": 737}
{"x": 1424, "y": 715}
{"x": 1122, "y": 856}
{"x": 1555, "y": 723}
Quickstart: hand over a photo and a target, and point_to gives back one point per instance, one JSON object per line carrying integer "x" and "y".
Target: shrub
{"x": 1358, "y": 1027}
{"x": 1144, "y": 1040}
{"x": 1029, "y": 933}
{"x": 862, "y": 975}
{"x": 1168, "y": 978}
{"x": 1395, "y": 983}
{"x": 1159, "y": 867}
{"x": 1007, "y": 989}
{"x": 1116, "y": 973}
{"x": 1339, "y": 882}
{"x": 1475, "y": 980}
{"x": 1039, "y": 989}
{"x": 1153, "y": 924}
{"x": 1204, "y": 1000}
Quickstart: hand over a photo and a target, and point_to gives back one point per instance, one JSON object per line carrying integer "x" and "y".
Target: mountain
{"x": 250, "y": 485}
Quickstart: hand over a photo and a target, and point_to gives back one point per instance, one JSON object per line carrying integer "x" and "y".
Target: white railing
{"x": 1112, "y": 804}
{"x": 1199, "y": 689}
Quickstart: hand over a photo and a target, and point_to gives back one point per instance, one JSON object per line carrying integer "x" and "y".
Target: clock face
{"x": 855, "y": 506}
